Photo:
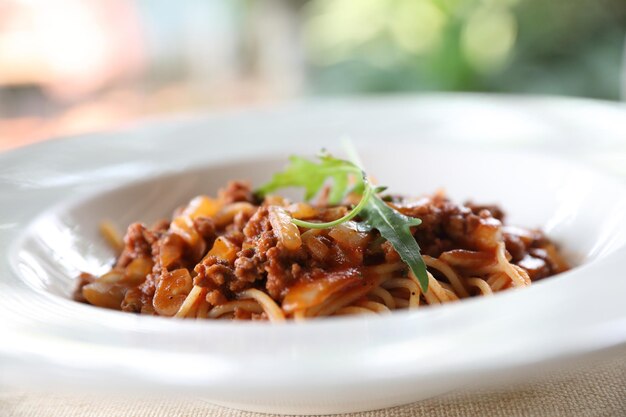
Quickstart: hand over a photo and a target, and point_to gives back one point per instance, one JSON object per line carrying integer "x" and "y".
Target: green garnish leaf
{"x": 312, "y": 176}
{"x": 395, "y": 227}
{"x": 373, "y": 211}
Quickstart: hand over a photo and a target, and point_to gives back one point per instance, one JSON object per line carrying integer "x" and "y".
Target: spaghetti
{"x": 238, "y": 256}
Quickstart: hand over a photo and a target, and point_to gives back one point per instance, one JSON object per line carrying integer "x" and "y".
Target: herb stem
{"x": 367, "y": 194}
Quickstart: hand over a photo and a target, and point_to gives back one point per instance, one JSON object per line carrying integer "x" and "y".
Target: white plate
{"x": 55, "y": 194}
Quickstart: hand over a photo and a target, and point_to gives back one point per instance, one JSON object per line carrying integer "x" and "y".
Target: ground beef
{"x": 537, "y": 268}
{"x": 240, "y": 221}
{"x": 249, "y": 264}
{"x": 212, "y": 273}
{"x": 258, "y": 239}
{"x": 137, "y": 243}
{"x": 279, "y": 266}
{"x": 160, "y": 226}
{"x": 494, "y": 211}
{"x": 264, "y": 258}
{"x": 139, "y": 300}
{"x": 235, "y": 236}
{"x": 236, "y": 191}
{"x": 515, "y": 246}
{"x": 445, "y": 226}
{"x": 216, "y": 298}
{"x": 206, "y": 228}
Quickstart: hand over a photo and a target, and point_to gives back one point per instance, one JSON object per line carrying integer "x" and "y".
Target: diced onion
{"x": 302, "y": 211}
{"x": 137, "y": 270}
{"x": 275, "y": 200}
{"x": 461, "y": 258}
{"x": 227, "y": 213}
{"x": 346, "y": 235}
{"x": 111, "y": 277}
{"x": 317, "y": 248}
{"x": 308, "y": 294}
{"x": 224, "y": 249}
{"x": 171, "y": 251}
{"x": 183, "y": 226}
{"x": 104, "y": 294}
{"x": 487, "y": 234}
{"x": 285, "y": 230}
{"x": 202, "y": 206}
{"x": 171, "y": 291}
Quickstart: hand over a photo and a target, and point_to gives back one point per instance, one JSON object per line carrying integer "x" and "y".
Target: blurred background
{"x": 74, "y": 66}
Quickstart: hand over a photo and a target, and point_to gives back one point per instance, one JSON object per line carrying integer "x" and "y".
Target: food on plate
{"x": 350, "y": 248}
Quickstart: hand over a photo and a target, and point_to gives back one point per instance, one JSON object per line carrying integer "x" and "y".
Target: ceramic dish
{"x": 55, "y": 194}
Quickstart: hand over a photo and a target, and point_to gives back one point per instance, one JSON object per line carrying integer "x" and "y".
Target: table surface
{"x": 597, "y": 388}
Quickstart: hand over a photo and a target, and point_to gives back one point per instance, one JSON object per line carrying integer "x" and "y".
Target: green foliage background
{"x": 568, "y": 47}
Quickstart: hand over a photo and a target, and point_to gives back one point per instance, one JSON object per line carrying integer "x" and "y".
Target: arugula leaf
{"x": 394, "y": 226}
{"x": 311, "y": 176}
{"x": 374, "y": 212}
